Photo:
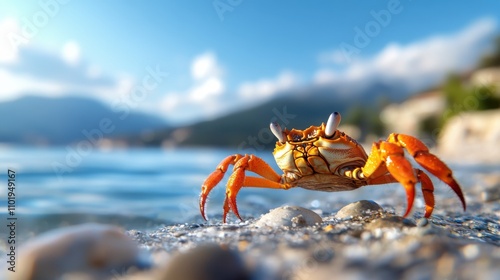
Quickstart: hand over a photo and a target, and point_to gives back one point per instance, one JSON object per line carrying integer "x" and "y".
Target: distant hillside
{"x": 57, "y": 121}
{"x": 293, "y": 110}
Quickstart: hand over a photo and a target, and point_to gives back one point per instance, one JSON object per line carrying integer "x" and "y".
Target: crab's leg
{"x": 374, "y": 171}
{"x": 237, "y": 180}
{"x": 397, "y": 165}
{"x": 428, "y": 161}
{"x": 427, "y": 192}
{"x": 426, "y": 186}
{"x": 384, "y": 179}
{"x": 230, "y": 201}
{"x": 214, "y": 178}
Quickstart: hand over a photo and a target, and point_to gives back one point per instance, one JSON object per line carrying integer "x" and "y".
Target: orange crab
{"x": 323, "y": 158}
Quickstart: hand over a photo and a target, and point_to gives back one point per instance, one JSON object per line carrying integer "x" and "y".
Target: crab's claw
{"x": 238, "y": 179}
{"x": 207, "y": 187}
{"x": 429, "y": 162}
{"x": 213, "y": 179}
{"x": 389, "y": 156}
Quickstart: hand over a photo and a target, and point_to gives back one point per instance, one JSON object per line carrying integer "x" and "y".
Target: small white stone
{"x": 377, "y": 233}
{"x": 94, "y": 250}
{"x": 470, "y": 251}
{"x": 358, "y": 208}
{"x": 315, "y": 203}
{"x": 291, "y": 216}
{"x": 356, "y": 252}
{"x": 366, "y": 235}
{"x": 392, "y": 234}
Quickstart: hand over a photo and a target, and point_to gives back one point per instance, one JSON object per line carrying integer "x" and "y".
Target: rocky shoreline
{"x": 361, "y": 240}
{"x": 375, "y": 244}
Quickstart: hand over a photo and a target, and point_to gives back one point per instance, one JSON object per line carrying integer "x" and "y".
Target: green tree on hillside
{"x": 463, "y": 98}
{"x": 367, "y": 119}
{"x": 492, "y": 59}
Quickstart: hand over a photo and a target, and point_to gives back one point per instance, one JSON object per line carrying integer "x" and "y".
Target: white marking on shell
{"x": 291, "y": 176}
{"x": 312, "y": 134}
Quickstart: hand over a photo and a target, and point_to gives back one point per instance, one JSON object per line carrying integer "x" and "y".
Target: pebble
{"x": 289, "y": 216}
{"x": 206, "y": 262}
{"x": 95, "y": 251}
{"x": 358, "y": 208}
{"x": 451, "y": 244}
{"x": 389, "y": 222}
{"x": 491, "y": 194}
{"x": 323, "y": 255}
{"x": 491, "y": 187}
{"x": 470, "y": 251}
{"x": 422, "y": 222}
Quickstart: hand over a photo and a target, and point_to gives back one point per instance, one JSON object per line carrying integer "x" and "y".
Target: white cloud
{"x": 207, "y": 76}
{"x": 325, "y": 76}
{"x": 267, "y": 88}
{"x": 204, "y": 97}
{"x": 71, "y": 53}
{"x": 15, "y": 85}
{"x": 8, "y": 52}
{"x": 26, "y": 70}
{"x": 171, "y": 101}
{"x": 414, "y": 66}
{"x": 335, "y": 57}
{"x": 212, "y": 86}
{"x": 94, "y": 71}
{"x": 207, "y": 95}
{"x": 30, "y": 69}
{"x": 419, "y": 64}
{"x": 205, "y": 66}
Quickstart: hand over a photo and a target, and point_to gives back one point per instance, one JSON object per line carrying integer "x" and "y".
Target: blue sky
{"x": 224, "y": 55}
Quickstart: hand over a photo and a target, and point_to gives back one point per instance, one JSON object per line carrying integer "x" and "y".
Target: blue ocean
{"x": 143, "y": 188}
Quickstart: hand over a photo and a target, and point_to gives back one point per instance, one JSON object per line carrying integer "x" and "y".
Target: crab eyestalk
{"x": 332, "y": 124}
{"x": 278, "y": 132}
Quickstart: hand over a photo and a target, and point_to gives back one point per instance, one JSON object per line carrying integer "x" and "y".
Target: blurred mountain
{"x": 249, "y": 129}
{"x": 57, "y": 121}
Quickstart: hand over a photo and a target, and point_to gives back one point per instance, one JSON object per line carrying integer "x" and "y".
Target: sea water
{"x": 142, "y": 187}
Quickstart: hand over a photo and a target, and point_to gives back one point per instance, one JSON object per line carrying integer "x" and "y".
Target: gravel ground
{"x": 361, "y": 240}
{"x": 378, "y": 245}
